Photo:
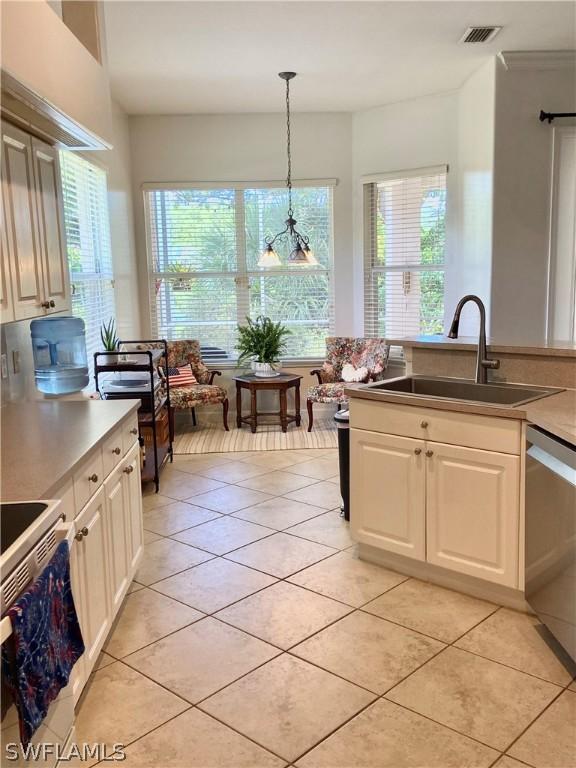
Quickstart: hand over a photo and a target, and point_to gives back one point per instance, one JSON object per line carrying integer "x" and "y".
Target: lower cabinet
{"x": 106, "y": 552}
{"x": 133, "y": 501}
{"x": 452, "y": 506}
{"x": 92, "y": 588}
{"x": 389, "y": 492}
{"x": 117, "y": 532}
{"x": 472, "y": 512}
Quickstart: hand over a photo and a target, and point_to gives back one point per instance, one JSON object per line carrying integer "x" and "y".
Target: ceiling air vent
{"x": 479, "y": 34}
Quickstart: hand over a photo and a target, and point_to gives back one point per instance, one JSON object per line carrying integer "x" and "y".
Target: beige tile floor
{"x": 253, "y": 637}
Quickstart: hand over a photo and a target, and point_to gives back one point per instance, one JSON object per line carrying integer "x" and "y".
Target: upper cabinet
{"x": 50, "y": 226}
{"x": 36, "y": 271}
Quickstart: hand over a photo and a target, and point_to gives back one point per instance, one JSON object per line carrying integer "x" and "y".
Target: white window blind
{"x": 404, "y": 249}
{"x": 203, "y": 251}
{"x": 87, "y": 228}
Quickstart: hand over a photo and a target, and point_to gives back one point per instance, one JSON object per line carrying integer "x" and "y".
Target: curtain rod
{"x": 553, "y": 115}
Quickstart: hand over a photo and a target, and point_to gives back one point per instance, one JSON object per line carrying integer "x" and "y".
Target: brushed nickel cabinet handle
{"x": 129, "y": 469}
{"x": 134, "y": 431}
{"x": 93, "y": 478}
{"x": 82, "y": 533}
{"x": 429, "y": 453}
{"x": 117, "y": 451}
{"x": 417, "y": 451}
{"x": 423, "y": 424}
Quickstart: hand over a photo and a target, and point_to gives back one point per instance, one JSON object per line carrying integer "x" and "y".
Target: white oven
{"x": 22, "y": 561}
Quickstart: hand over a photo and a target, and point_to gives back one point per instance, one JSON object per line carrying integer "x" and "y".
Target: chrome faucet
{"x": 483, "y": 362}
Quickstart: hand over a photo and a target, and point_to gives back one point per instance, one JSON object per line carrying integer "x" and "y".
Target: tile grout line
{"x": 352, "y": 610}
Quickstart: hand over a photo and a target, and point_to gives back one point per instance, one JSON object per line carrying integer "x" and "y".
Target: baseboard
{"x": 459, "y": 582}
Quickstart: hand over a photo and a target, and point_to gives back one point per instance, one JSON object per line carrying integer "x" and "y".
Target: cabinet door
{"x": 24, "y": 256}
{"x": 93, "y": 579}
{"x": 50, "y": 226}
{"x": 78, "y": 677}
{"x": 472, "y": 505}
{"x": 117, "y": 537}
{"x": 133, "y": 488}
{"x": 6, "y": 308}
{"x": 388, "y": 504}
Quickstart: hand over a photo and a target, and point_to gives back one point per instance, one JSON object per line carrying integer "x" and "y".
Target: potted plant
{"x": 262, "y": 342}
{"x": 109, "y": 340}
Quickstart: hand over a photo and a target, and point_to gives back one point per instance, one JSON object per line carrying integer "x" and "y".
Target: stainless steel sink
{"x": 462, "y": 389}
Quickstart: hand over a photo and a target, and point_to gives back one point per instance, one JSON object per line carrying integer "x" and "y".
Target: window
{"x": 404, "y": 253}
{"x": 203, "y": 251}
{"x": 88, "y": 244}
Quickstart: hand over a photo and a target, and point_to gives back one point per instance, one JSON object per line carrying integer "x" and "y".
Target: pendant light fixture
{"x": 301, "y": 253}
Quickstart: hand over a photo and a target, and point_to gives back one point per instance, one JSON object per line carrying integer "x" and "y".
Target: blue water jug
{"x": 59, "y": 347}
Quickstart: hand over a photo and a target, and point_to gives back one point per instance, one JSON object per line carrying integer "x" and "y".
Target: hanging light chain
{"x": 289, "y": 177}
{"x": 301, "y": 253}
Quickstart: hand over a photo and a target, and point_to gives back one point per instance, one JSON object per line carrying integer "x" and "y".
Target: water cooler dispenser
{"x": 59, "y": 348}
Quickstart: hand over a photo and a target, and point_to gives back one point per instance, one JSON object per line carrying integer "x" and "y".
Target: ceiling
{"x": 216, "y": 57}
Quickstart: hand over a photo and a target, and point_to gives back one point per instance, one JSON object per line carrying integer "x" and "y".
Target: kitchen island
{"x": 437, "y": 484}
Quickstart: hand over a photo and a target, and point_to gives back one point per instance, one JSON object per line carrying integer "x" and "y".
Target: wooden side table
{"x": 282, "y": 383}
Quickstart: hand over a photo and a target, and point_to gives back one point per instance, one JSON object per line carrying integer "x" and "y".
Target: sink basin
{"x": 463, "y": 389}
{"x": 15, "y": 518}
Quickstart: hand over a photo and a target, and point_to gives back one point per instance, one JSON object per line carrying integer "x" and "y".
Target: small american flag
{"x": 181, "y": 377}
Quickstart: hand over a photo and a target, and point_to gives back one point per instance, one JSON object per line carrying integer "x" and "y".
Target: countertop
{"x": 470, "y": 344}
{"x": 555, "y": 413}
{"x": 44, "y": 442}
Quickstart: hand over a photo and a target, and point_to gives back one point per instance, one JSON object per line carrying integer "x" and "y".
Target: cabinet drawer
{"x": 489, "y": 433}
{"x": 112, "y": 451}
{"x": 88, "y": 478}
{"x": 129, "y": 432}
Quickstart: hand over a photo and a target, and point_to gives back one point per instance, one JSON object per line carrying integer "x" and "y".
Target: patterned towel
{"x": 46, "y": 642}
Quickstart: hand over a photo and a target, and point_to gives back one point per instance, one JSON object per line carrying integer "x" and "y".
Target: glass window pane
{"x": 266, "y": 214}
{"x": 302, "y": 303}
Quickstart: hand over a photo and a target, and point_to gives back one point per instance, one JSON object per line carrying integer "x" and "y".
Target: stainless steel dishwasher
{"x": 551, "y": 534}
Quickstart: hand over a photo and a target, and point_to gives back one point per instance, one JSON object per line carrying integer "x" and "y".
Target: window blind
{"x": 84, "y": 192}
{"x": 404, "y": 251}
{"x": 204, "y": 279}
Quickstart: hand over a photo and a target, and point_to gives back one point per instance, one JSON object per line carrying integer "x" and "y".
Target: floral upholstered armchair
{"x": 187, "y": 397}
{"x": 205, "y": 392}
{"x": 369, "y": 354}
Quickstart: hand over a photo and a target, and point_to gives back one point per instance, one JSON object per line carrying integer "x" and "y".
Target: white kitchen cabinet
{"x": 472, "y": 511}
{"x": 133, "y": 503}
{"x": 50, "y": 227}
{"x": 117, "y": 525}
{"x": 449, "y": 505}
{"x": 37, "y": 275}
{"x": 6, "y": 307}
{"x": 388, "y": 503}
{"x": 24, "y": 256}
{"x": 92, "y": 587}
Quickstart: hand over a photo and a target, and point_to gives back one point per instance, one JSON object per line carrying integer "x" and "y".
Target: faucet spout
{"x": 482, "y": 360}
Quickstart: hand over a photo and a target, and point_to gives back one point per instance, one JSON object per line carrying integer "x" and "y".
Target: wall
{"x": 471, "y": 258}
{"x": 40, "y": 51}
{"x": 522, "y": 173}
{"x": 120, "y": 205}
{"x": 409, "y": 134}
{"x": 248, "y": 147}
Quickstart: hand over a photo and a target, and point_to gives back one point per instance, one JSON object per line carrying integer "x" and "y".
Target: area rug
{"x": 211, "y": 438}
